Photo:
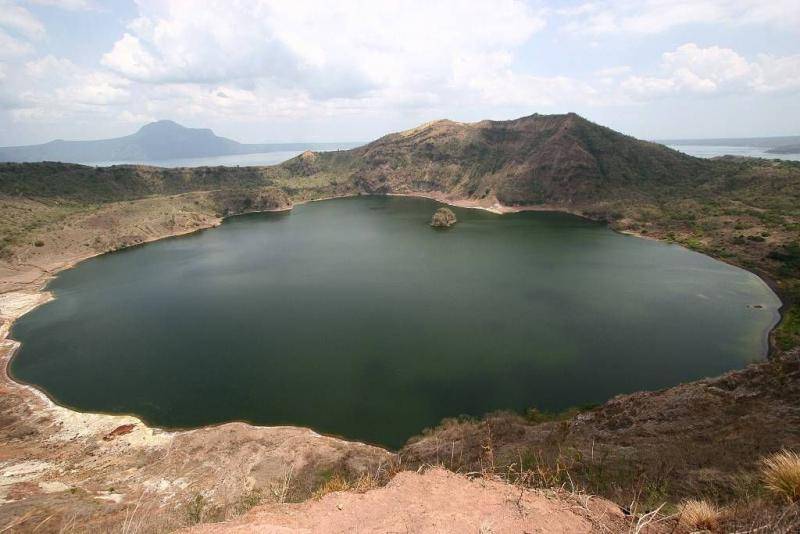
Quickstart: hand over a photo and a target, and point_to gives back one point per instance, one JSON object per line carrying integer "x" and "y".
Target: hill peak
{"x": 164, "y": 125}
{"x": 536, "y": 159}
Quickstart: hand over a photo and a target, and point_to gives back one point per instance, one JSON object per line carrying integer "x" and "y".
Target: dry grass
{"x": 700, "y": 515}
{"x": 781, "y": 475}
{"x": 280, "y": 491}
{"x": 335, "y": 483}
{"x": 338, "y": 482}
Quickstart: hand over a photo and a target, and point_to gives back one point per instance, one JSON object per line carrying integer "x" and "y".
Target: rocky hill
{"x": 540, "y": 159}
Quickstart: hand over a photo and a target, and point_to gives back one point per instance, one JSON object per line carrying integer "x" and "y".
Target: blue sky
{"x": 352, "y": 70}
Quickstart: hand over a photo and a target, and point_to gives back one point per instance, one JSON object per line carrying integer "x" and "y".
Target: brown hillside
{"x": 537, "y": 159}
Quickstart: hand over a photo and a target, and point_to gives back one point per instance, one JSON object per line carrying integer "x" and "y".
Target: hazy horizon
{"x": 136, "y": 128}
{"x": 270, "y": 72}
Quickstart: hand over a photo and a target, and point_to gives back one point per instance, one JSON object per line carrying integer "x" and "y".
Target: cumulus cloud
{"x": 16, "y": 18}
{"x": 346, "y": 49}
{"x": 56, "y": 69}
{"x": 691, "y": 69}
{"x": 492, "y": 78}
{"x": 70, "y": 5}
{"x": 254, "y": 61}
{"x": 18, "y": 30}
{"x": 776, "y": 73}
{"x": 49, "y": 87}
{"x": 656, "y": 16}
{"x": 135, "y": 118}
{"x": 11, "y": 48}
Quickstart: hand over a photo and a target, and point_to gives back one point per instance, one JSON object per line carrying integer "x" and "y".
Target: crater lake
{"x": 354, "y": 317}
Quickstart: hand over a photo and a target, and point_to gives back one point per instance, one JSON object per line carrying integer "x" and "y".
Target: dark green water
{"x": 354, "y": 317}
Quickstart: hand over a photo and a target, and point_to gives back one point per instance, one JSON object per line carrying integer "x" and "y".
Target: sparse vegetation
{"x": 334, "y": 483}
{"x": 781, "y": 472}
{"x": 443, "y": 218}
{"x": 199, "y": 510}
{"x": 249, "y": 500}
{"x": 280, "y": 490}
{"x": 700, "y": 515}
{"x": 361, "y": 483}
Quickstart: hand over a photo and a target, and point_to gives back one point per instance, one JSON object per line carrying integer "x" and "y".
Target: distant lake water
{"x": 241, "y": 160}
{"x": 273, "y": 158}
{"x": 703, "y": 151}
{"x": 354, "y": 317}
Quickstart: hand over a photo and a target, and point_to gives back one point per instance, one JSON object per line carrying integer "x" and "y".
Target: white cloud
{"x": 706, "y": 69}
{"x": 93, "y": 89}
{"x": 329, "y": 51}
{"x": 70, "y": 5}
{"x": 776, "y": 73}
{"x": 612, "y": 72}
{"x": 657, "y": 16}
{"x": 49, "y": 87}
{"x": 248, "y": 62}
{"x": 50, "y": 67}
{"x": 11, "y": 48}
{"x": 691, "y": 69}
{"x": 135, "y": 118}
{"x": 129, "y": 58}
{"x": 18, "y": 19}
{"x": 492, "y": 78}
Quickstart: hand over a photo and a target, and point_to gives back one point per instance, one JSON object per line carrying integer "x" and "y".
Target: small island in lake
{"x": 443, "y": 218}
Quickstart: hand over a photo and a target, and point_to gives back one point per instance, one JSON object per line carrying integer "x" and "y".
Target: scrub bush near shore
{"x": 697, "y": 515}
{"x": 443, "y": 218}
{"x": 781, "y": 474}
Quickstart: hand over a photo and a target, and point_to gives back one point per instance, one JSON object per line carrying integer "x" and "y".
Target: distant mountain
{"x": 755, "y": 142}
{"x": 159, "y": 140}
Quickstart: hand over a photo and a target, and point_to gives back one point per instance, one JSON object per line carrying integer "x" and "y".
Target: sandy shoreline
{"x": 490, "y": 205}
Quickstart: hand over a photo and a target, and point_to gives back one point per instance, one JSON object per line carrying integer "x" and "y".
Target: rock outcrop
{"x": 443, "y": 218}
{"x": 237, "y": 201}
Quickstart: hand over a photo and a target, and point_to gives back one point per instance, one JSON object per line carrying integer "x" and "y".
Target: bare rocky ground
{"x": 433, "y": 502}
{"x": 101, "y": 229}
